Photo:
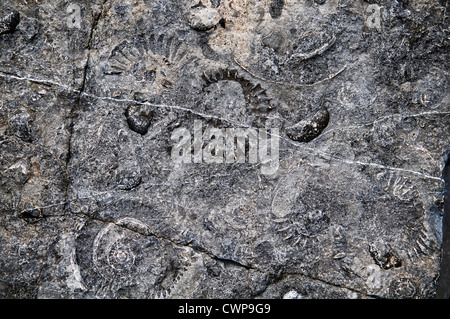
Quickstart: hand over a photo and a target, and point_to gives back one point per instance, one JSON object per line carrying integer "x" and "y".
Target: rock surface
{"x": 92, "y": 204}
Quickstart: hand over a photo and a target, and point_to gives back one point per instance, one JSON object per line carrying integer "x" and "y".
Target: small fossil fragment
{"x": 339, "y": 255}
{"x": 403, "y": 288}
{"x": 316, "y": 222}
{"x": 300, "y": 225}
{"x": 316, "y": 52}
{"x": 139, "y": 118}
{"x": 386, "y": 259}
{"x": 129, "y": 179}
{"x": 215, "y": 3}
{"x": 307, "y": 130}
{"x": 202, "y": 19}
{"x": 276, "y": 8}
{"x": 9, "y": 22}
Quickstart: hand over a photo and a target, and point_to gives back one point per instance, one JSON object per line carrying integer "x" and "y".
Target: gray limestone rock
{"x": 222, "y": 149}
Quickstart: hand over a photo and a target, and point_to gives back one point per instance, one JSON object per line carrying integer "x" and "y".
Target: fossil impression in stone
{"x": 246, "y": 102}
{"x": 150, "y": 63}
{"x": 203, "y": 16}
{"x": 139, "y": 118}
{"x": 309, "y": 129}
{"x": 125, "y": 252}
{"x": 293, "y": 45}
{"x": 255, "y": 96}
{"x": 298, "y": 226}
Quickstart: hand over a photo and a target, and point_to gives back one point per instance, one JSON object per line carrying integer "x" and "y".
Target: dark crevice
{"x": 226, "y": 261}
{"x": 77, "y": 103}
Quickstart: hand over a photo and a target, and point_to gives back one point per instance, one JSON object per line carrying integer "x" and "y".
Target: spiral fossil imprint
{"x": 114, "y": 252}
{"x": 125, "y": 252}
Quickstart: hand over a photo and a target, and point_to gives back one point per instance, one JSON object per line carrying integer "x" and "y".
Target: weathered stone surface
{"x": 93, "y": 204}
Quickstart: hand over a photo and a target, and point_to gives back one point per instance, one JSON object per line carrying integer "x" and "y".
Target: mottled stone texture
{"x": 93, "y": 206}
